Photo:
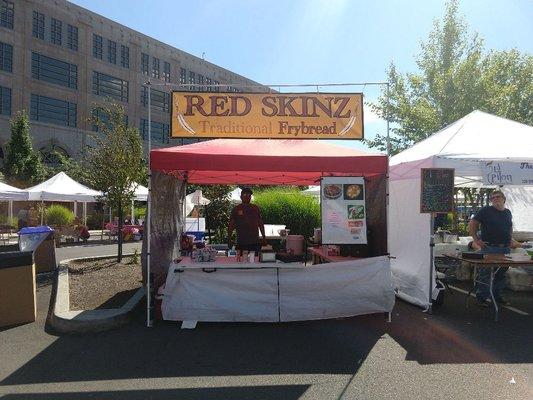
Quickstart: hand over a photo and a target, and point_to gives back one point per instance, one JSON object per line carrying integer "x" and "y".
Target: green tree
{"x": 454, "y": 78}
{"x": 23, "y": 165}
{"x": 115, "y": 161}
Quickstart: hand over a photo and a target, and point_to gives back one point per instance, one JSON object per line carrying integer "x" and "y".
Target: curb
{"x": 63, "y": 320}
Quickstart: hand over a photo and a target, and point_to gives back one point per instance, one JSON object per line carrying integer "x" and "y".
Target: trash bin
{"x": 39, "y": 240}
{"x": 17, "y": 288}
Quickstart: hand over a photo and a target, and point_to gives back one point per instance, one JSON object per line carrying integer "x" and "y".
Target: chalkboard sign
{"x": 436, "y": 194}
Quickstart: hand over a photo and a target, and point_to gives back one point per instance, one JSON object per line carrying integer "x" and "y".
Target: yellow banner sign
{"x": 273, "y": 115}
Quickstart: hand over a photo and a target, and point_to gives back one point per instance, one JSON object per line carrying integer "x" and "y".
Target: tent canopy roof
{"x": 464, "y": 145}
{"x": 61, "y": 187}
{"x": 263, "y": 161}
{"x": 12, "y": 193}
{"x": 476, "y": 136}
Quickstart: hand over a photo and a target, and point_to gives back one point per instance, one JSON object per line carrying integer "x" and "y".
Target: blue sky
{"x": 315, "y": 41}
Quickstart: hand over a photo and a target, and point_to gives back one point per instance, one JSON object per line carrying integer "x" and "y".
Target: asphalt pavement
{"x": 455, "y": 353}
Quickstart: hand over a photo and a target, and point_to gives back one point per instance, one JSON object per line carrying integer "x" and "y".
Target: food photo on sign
{"x": 343, "y": 197}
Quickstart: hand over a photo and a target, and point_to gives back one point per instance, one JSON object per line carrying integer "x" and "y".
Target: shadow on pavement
{"x": 453, "y": 334}
{"x": 286, "y": 392}
{"x": 212, "y": 349}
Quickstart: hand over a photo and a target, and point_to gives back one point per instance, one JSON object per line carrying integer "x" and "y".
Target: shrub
{"x": 58, "y": 216}
{"x": 290, "y": 207}
{"x": 95, "y": 219}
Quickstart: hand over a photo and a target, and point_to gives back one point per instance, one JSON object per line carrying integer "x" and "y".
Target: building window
{"x": 159, "y": 130}
{"x": 52, "y": 155}
{"x": 6, "y": 57}
{"x": 209, "y": 82}
{"x": 54, "y": 71}
{"x": 111, "y": 51}
{"x": 109, "y": 86}
{"x": 166, "y": 71}
{"x": 155, "y": 68}
{"x": 5, "y": 101}
{"x": 125, "y": 56}
{"x": 55, "y": 32}
{"x": 103, "y": 116}
{"x": 38, "y": 25}
{"x": 192, "y": 80}
{"x": 159, "y": 100}
{"x": 7, "y": 13}
{"x": 72, "y": 37}
{"x": 183, "y": 76}
{"x": 53, "y": 111}
{"x": 216, "y": 88}
{"x": 201, "y": 82}
{"x": 144, "y": 63}
{"x": 97, "y": 46}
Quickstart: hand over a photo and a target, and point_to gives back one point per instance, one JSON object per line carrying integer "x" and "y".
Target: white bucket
{"x": 295, "y": 244}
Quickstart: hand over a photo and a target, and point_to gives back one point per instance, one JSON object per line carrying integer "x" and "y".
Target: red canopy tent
{"x": 257, "y": 161}
{"x": 264, "y": 162}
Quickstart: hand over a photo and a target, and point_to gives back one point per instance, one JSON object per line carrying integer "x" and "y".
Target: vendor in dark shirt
{"x": 246, "y": 220}
{"x": 496, "y": 225}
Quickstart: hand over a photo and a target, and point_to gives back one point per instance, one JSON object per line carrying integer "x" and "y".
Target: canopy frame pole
{"x": 149, "y": 320}
{"x": 42, "y": 212}
{"x": 10, "y": 211}
{"x": 84, "y": 213}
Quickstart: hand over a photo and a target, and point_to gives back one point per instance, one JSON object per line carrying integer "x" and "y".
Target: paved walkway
{"x": 453, "y": 354}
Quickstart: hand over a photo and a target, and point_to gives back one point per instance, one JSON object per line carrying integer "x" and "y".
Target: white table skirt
{"x": 274, "y": 292}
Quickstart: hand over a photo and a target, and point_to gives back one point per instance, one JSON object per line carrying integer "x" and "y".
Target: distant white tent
{"x": 312, "y": 190}
{"x": 10, "y": 194}
{"x": 62, "y": 187}
{"x": 235, "y": 195}
{"x": 195, "y": 199}
{"x": 141, "y": 192}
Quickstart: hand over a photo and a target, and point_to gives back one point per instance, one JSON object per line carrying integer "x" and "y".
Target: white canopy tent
{"x": 464, "y": 145}
{"x": 61, "y": 187}
{"x": 235, "y": 195}
{"x": 10, "y": 194}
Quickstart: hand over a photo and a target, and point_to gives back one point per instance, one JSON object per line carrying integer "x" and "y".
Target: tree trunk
{"x": 166, "y": 225}
{"x": 119, "y": 235}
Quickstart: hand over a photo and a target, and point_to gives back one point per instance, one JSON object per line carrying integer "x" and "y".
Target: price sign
{"x": 436, "y": 193}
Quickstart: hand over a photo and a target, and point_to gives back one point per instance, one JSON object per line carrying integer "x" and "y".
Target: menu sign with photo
{"x": 436, "y": 193}
{"x": 343, "y": 210}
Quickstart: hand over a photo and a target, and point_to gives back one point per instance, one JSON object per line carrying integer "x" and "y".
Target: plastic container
{"x": 295, "y": 244}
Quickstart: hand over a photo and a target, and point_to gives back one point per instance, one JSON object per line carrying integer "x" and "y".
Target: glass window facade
{"x": 109, "y": 86}
{"x": 38, "y": 25}
{"x": 125, "y": 56}
{"x": 159, "y": 130}
{"x": 156, "y": 72}
{"x": 54, "y": 71}
{"x": 5, "y": 100}
{"x": 53, "y": 111}
{"x": 111, "y": 51}
{"x": 159, "y": 100}
{"x": 201, "y": 82}
{"x": 183, "y": 76}
{"x": 144, "y": 63}
{"x": 166, "y": 71}
{"x": 56, "y": 31}
{"x": 7, "y": 13}
{"x": 209, "y": 82}
{"x": 103, "y": 116}
{"x": 72, "y": 37}
{"x": 192, "y": 80}
{"x": 97, "y": 46}
{"x": 6, "y": 57}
